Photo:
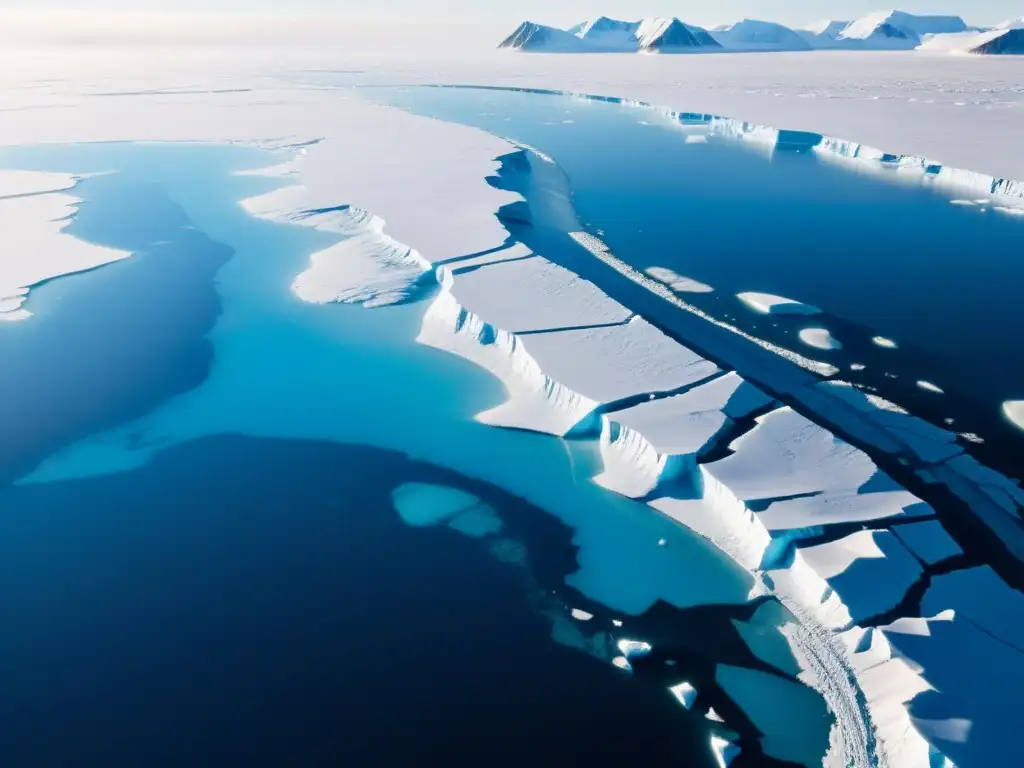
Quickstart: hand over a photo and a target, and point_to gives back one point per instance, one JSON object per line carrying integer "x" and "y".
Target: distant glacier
{"x": 884, "y": 30}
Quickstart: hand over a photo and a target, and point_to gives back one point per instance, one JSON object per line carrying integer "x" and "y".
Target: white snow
{"x": 769, "y": 304}
{"x": 819, "y": 338}
{"x": 36, "y": 248}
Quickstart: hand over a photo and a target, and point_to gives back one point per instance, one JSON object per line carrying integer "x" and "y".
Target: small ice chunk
{"x": 622, "y": 663}
{"x": 616, "y": 622}
{"x": 581, "y": 615}
{"x": 881, "y": 341}
{"x": 770, "y": 304}
{"x": 1014, "y": 411}
{"x": 696, "y": 138}
{"x": 714, "y": 716}
{"x": 725, "y": 751}
{"x": 633, "y": 648}
{"x": 819, "y": 338}
{"x": 929, "y": 387}
{"x": 685, "y": 693}
{"x": 1010, "y": 211}
{"x": 477, "y": 523}
{"x": 857, "y": 367}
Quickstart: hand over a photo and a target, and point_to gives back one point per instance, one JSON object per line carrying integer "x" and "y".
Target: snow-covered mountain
{"x": 538, "y": 38}
{"x": 822, "y": 34}
{"x": 606, "y": 35}
{"x": 897, "y": 29}
{"x": 1007, "y": 39}
{"x": 882, "y": 30}
{"x": 755, "y": 35}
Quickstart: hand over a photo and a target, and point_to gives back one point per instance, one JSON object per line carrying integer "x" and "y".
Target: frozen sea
{"x": 916, "y": 287}
{"x": 231, "y": 534}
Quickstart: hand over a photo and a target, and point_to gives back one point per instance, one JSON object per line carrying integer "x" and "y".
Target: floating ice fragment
{"x": 616, "y": 622}
{"x": 1010, "y": 211}
{"x": 769, "y": 304}
{"x": 857, "y": 367}
{"x": 622, "y": 663}
{"x": 819, "y": 338}
{"x": 420, "y": 504}
{"x": 696, "y": 139}
{"x": 476, "y": 523}
{"x": 685, "y": 693}
{"x": 714, "y": 716}
{"x": 1014, "y": 411}
{"x": 881, "y": 341}
{"x": 581, "y": 615}
{"x": 929, "y": 387}
{"x": 634, "y": 648}
{"x": 725, "y": 751}
{"x": 677, "y": 282}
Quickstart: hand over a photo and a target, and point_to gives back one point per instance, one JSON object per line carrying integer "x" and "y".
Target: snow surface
{"x": 34, "y": 216}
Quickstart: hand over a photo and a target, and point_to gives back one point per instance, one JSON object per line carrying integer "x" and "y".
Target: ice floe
{"x": 928, "y": 540}
{"x": 871, "y": 571}
{"x": 34, "y": 215}
{"x": 793, "y": 718}
{"x": 421, "y": 505}
{"x": 769, "y": 304}
{"x": 819, "y": 338}
{"x": 676, "y": 281}
{"x": 883, "y": 342}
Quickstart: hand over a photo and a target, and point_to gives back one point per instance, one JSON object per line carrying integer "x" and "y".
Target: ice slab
{"x": 422, "y": 505}
{"x": 980, "y": 596}
{"x": 531, "y": 294}
{"x": 766, "y": 642}
{"x": 870, "y": 570}
{"x": 819, "y": 338}
{"x": 928, "y": 540}
{"x": 36, "y": 246}
{"x": 793, "y": 719}
{"x": 675, "y": 281}
{"x": 609, "y": 364}
{"x": 770, "y": 304}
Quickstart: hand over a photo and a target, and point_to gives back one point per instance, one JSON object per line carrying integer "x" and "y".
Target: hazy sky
{"x": 556, "y": 11}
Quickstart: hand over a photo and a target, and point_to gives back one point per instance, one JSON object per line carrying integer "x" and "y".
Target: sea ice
{"x": 870, "y": 570}
{"x": 819, "y": 338}
{"x": 793, "y": 718}
{"x": 676, "y": 281}
{"x": 881, "y": 341}
{"x": 769, "y": 304}
{"x": 928, "y": 540}
{"x": 422, "y": 505}
{"x": 36, "y": 246}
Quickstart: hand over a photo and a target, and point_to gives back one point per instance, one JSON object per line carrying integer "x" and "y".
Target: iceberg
{"x": 819, "y": 338}
{"x": 1014, "y": 411}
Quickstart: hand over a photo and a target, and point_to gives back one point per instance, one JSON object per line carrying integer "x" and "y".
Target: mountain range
{"x": 883, "y": 30}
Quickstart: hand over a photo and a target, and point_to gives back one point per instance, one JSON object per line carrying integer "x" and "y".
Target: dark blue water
{"x": 879, "y": 257}
{"x": 232, "y": 599}
{"x": 243, "y": 601}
